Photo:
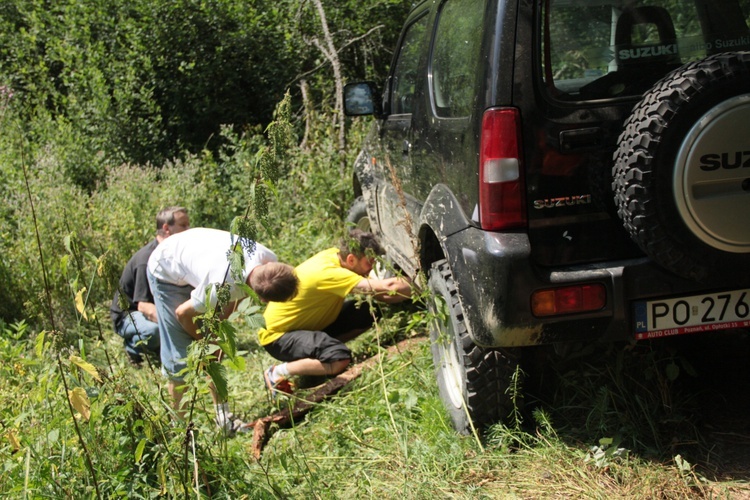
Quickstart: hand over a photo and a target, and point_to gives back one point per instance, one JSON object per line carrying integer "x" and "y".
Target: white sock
{"x": 222, "y": 410}
{"x": 279, "y": 372}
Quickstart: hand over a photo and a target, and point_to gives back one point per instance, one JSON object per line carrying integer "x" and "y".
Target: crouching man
{"x": 308, "y": 333}
{"x": 133, "y": 311}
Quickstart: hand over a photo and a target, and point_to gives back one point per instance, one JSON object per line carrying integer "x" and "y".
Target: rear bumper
{"x": 495, "y": 278}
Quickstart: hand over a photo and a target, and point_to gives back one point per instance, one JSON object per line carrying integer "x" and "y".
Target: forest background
{"x": 113, "y": 109}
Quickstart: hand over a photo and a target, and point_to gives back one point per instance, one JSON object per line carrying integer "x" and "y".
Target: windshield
{"x": 599, "y": 49}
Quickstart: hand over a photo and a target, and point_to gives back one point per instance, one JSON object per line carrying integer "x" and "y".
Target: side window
{"x": 405, "y": 72}
{"x": 455, "y": 56}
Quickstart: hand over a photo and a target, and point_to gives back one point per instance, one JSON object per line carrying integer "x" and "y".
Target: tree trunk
{"x": 307, "y": 111}
{"x": 330, "y": 53}
{"x": 261, "y": 428}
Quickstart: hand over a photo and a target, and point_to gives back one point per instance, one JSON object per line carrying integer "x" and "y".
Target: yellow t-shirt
{"x": 323, "y": 285}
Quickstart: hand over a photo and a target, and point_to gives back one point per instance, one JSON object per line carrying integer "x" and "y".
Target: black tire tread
{"x": 488, "y": 372}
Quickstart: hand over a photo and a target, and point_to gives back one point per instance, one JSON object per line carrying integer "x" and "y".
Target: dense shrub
{"x": 145, "y": 81}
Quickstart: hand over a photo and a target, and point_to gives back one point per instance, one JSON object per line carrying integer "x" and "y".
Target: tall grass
{"x": 384, "y": 436}
{"x": 605, "y": 424}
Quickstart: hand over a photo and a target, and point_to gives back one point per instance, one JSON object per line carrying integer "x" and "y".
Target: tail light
{"x": 567, "y": 300}
{"x": 501, "y": 189}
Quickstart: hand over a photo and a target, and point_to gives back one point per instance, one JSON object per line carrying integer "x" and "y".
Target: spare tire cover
{"x": 681, "y": 175}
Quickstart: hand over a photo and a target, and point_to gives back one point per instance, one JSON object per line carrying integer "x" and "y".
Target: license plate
{"x": 697, "y": 313}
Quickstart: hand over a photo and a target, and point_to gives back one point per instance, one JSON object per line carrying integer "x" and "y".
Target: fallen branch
{"x": 288, "y": 415}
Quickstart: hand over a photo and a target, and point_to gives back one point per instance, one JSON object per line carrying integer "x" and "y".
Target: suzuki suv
{"x": 562, "y": 171}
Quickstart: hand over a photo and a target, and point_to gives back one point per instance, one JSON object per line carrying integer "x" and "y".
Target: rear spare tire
{"x": 681, "y": 175}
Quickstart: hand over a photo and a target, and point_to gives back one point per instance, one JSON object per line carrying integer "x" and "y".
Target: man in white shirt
{"x": 180, "y": 272}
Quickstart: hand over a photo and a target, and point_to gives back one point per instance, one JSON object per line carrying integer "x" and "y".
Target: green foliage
{"x": 118, "y": 109}
{"x": 141, "y": 82}
{"x": 147, "y": 81}
{"x": 109, "y": 224}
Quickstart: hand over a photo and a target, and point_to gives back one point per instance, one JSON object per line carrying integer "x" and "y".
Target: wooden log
{"x": 302, "y": 406}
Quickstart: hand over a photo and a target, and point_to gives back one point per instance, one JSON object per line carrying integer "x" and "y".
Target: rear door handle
{"x": 581, "y": 139}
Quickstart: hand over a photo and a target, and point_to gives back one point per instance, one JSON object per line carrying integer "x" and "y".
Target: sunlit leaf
{"x": 162, "y": 479}
{"x": 241, "y": 285}
{"x": 64, "y": 264}
{"x": 80, "y": 401}
{"x": 236, "y": 262}
{"x": 39, "y": 344}
{"x": 14, "y": 442}
{"x": 139, "y": 450}
{"x": 80, "y": 306}
{"x": 248, "y": 307}
{"x": 237, "y": 363}
{"x": 228, "y": 334}
{"x": 86, "y": 366}
{"x": 256, "y": 321}
{"x": 93, "y": 258}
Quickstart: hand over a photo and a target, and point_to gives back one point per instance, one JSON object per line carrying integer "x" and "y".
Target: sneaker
{"x": 281, "y": 385}
{"x": 231, "y": 424}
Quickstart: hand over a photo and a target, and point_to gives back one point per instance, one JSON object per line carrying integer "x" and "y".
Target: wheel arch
{"x": 441, "y": 217}
{"x": 482, "y": 264}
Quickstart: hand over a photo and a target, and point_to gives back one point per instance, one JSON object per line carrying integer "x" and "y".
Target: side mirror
{"x": 359, "y": 99}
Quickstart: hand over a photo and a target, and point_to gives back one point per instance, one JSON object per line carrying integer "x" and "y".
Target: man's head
{"x": 171, "y": 220}
{"x": 274, "y": 282}
{"x": 358, "y": 251}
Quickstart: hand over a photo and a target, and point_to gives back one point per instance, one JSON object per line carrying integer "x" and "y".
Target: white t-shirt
{"x": 198, "y": 257}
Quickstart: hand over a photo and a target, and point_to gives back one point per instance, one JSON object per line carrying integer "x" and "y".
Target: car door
{"x": 396, "y": 205}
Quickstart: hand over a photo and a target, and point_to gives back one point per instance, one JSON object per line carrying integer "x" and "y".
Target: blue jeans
{"x": 139, "y": 334}
{"x": 174, "y": 339}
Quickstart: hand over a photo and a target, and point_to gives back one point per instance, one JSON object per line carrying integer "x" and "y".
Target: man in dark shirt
{"x": 133, "y": 311}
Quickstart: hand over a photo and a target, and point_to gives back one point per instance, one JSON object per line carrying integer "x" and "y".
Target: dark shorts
{"x": 323, "y": 345}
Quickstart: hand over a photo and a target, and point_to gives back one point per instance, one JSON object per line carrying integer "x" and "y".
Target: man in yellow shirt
{"x": 308, "y": 333}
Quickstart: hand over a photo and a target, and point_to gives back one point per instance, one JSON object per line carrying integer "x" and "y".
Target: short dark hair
{"x": 166, "y": 216}
{"x": 274, "y": 282}
{"x": 360, "y": 243}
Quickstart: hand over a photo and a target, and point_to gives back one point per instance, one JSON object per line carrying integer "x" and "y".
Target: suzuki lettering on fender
{"x": 565, "y": 201}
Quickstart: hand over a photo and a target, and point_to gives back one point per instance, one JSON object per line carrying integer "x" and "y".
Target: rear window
{"x": 603, "y": 49}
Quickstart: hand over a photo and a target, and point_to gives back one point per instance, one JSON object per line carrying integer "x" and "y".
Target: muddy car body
{"x": 562, "y": 171}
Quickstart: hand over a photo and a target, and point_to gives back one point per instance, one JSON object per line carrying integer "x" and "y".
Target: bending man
{"x": 180, "y": 272}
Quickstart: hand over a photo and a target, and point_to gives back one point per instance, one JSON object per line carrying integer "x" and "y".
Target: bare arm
{"x": 148, "y": 310}
{"x": 389, "y": 291}
{"x": 185, "y": 313}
